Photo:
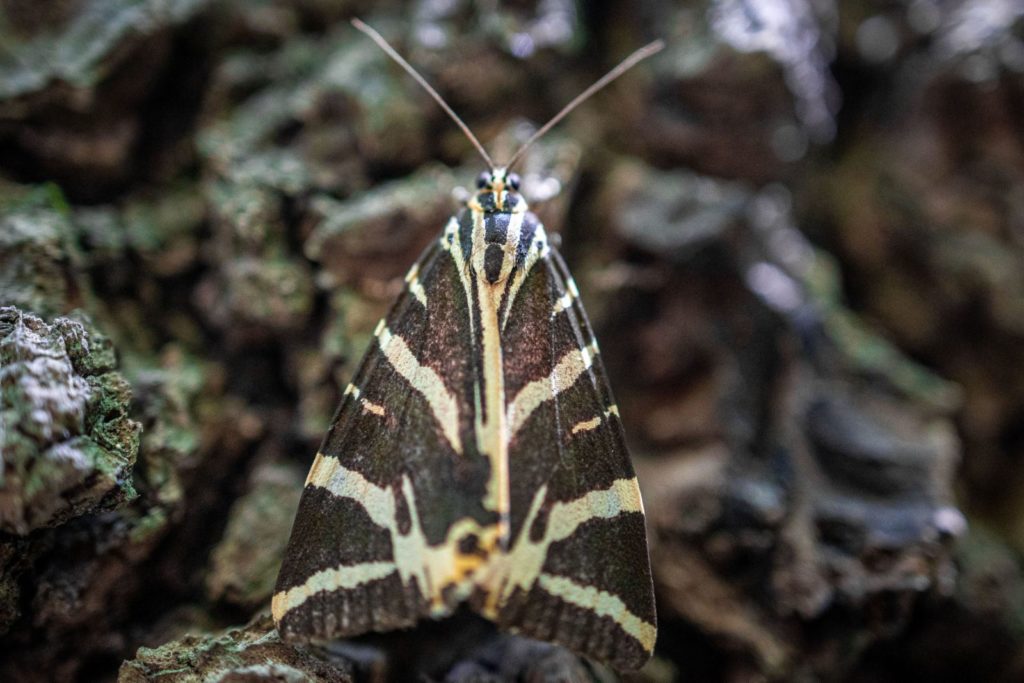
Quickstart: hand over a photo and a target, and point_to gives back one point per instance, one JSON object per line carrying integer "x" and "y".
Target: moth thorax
{"x": 495, "y": 254}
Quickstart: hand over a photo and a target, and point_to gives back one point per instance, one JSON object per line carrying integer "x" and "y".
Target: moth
{"x": 477, "y": 457}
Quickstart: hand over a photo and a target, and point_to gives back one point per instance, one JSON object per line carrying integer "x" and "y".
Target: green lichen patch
{"x": 245, "y": 563}
{"x": 35, "y": 252}
{"x": 82, "y": 48}
{"x": 333, "y": 105}
{"x": 272, "y": 293}
{"x": 251, "y": 653}
{"x": 68, "y": 444}
{"x": 168, "y": 390}
{"x": 162, "y": 231}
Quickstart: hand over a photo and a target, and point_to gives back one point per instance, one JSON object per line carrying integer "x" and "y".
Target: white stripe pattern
{"x": 434, "y": 567}
{"x": 538, "y": 249}
{"x": 521, "y": 567}
{"x": 415, "y": 286}
{"x": 602, "y": 603}
{"x": 569, "y": 368}
{"x": 371, "y": 407}
{"x": 490, "y": 423}
{"x": 563, "y": 303}
{"x": 328, "y": 580}
{"x": 586, "y": 425}
{"x": 424, "y": 379}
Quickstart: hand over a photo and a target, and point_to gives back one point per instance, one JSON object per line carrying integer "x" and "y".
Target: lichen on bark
{"x": 69, "y": 445}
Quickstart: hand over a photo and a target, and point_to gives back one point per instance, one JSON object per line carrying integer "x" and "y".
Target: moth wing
{"x": 371, "y": 545}
{"x": 577, "y": 571}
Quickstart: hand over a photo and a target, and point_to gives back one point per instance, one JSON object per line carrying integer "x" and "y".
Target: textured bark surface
{"x": 799, "y": 231}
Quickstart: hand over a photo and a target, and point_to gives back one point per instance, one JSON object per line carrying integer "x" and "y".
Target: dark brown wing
{"x": 392, "y": 488}
{"x": 577, "y": 572}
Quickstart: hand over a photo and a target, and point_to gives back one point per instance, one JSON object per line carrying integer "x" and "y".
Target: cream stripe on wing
{"x": 602, "y": 603}
{"x": 568, "y": 369}
{"x": 521, "y": 567}
{"x": 328, "y": 580}
{"x": 451, "y": 242}
{"x": 622, "y": 496}
{"x": 371, "y": 407}
{"x": 434, "y": 567}
{"x": 538, "y": 249}
{"x": 425, "y": 380}
{"x": 415, "y": 286}
{"x": 586, "y": 425}
{"x": 564, "y": 302}
{"x": 328, "y": 473}
{"x": 490, "y": 424}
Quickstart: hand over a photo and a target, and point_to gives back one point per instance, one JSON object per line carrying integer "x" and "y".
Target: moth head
{"x": 498, "y": 190}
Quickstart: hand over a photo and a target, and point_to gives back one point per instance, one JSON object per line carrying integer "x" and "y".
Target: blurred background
{"x": 798, "y": 230}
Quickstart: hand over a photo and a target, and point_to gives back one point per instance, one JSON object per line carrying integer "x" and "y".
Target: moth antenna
{"x": 391, "y": 52}
{"x": 624, "y": 66}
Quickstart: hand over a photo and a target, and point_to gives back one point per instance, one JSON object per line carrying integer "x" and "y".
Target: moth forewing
{"x": 477, "y": 457}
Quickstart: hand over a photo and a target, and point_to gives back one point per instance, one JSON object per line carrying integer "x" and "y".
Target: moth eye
{"x": 513, "y": 181}
{"x": 483, "y": 180}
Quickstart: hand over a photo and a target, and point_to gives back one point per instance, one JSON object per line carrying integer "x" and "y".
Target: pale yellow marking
{"x": 451, "y": 230}
{"x": 570, "y": 284}
{"x": 380, "y": 328}
{"x": 328, "y": 473}
{"x": 461, "y": 267}
{"x": 415, "y": 286}
{"x": 484, "y": 435}
{"x": 314, "y": 471}
{"x": 425, "y": 380}
{"x": 537, "y": 250}
{"x": 522, "y": 565}
{"x": 564, "y": 302}
{"x": 510, "y": 247}
{"x": 490, "y": 424}
{"x": 371, "y": 407}
{"x": 565, "y": 373}
{"x": 490, "y": 417}
{"x": 434, "y": 567}
{"x": 586, "y": 426}
{"x": 351, "y": 389}
{"x": 589, "y": 353}
{"x": 327, "y": 580}
{"x": 602, "y": 603}
{"x": 613, "y": 409}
